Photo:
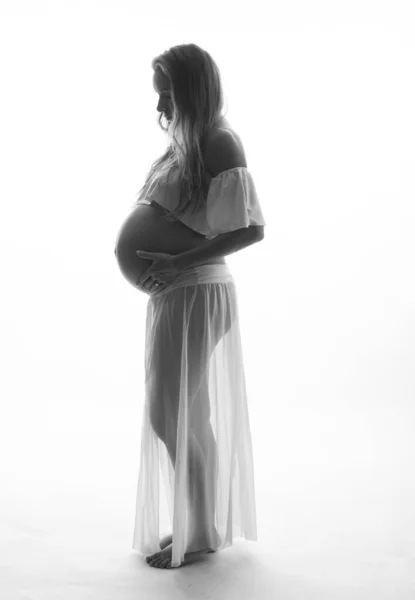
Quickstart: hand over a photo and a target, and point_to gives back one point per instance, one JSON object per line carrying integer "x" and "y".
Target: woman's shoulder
{"x": 223, "y": 126}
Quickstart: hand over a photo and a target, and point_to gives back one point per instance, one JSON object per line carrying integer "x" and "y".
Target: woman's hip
{"x": 199, "y": 274}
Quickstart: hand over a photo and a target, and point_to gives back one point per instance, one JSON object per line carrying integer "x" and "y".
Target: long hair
{"x": 198, "y": 101}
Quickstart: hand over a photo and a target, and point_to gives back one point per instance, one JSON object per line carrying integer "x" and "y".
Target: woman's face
{"x": 162, "y": 87}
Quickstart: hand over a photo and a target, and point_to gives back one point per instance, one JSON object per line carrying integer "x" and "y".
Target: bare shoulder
{"x": 225, "y": 128}
{"x": 224, "y": 150}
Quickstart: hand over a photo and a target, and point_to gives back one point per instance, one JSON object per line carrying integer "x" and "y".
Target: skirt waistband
{"x": 212, "y": 273}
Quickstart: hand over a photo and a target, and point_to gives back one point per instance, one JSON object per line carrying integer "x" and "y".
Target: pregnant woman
{"x": 198, "y": 205}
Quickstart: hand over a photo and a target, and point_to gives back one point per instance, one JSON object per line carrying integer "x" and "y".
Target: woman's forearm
{"x": 222, "y": 245}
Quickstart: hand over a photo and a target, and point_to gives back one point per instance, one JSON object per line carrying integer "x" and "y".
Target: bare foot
{"x": 162, "y": 560}
{"x": 197, "y": 547}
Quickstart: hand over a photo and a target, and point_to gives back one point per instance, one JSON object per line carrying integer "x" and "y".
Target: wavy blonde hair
{"x": 198, "y": 101}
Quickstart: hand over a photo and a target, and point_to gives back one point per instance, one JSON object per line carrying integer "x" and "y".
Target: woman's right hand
{"x": 150, "y": 287}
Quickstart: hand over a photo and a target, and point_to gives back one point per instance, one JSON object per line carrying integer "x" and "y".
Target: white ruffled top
{"x": 232, "y": 203}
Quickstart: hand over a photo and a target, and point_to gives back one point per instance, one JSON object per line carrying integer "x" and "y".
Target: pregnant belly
{"x": 146, "y": 229}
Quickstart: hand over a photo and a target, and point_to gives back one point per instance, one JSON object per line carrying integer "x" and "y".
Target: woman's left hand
{"x": 163, "y": 269}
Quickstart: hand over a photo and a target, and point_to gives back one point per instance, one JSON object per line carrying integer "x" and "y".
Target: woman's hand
{"x": 163, "y": 271}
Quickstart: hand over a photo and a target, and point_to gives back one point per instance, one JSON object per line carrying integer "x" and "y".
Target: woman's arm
{"x": 221, "y": 245}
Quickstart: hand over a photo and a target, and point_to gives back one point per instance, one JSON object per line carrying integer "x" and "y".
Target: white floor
{"x": 325, "y": 530}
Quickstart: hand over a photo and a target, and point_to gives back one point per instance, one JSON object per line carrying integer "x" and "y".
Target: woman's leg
{"x": 191, "y": 325}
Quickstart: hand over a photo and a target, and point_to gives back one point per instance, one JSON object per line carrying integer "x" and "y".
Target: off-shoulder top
{"x": 232, "y": 203}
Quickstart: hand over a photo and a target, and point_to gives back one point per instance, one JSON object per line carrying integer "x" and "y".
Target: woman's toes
{"x": 152, "y": 557}
{"x": 157, "y": 563}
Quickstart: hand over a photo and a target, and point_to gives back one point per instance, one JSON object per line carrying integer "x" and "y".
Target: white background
{"x": 322, "y": 95}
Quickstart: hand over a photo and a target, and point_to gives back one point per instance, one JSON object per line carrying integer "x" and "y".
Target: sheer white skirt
{"x": 195, "y": 428}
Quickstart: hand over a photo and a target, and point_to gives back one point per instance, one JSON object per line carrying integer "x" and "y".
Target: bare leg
{"x": 203, "y": 477}
{"x": 207, "y": 443}
{"x": 202, "y": 473}
{"x": 202, "y": 491}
